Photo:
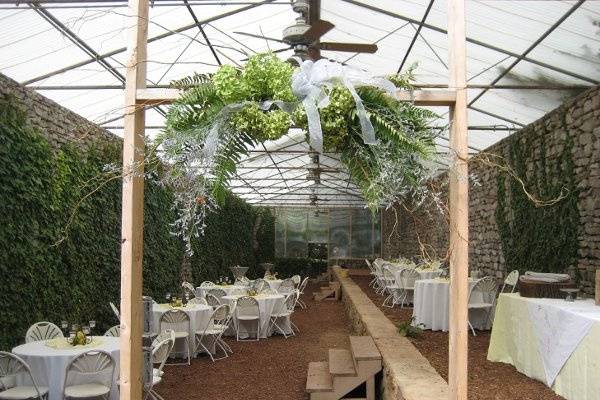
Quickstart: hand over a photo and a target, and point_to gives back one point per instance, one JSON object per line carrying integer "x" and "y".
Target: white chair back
{"x": 484, "y": 290}
{"x": 114, "y": 331}
{"x": 303, "y": 285}
{"x": 207, "y": 284}
{"x": 247, "y": 306}
{"x": 161, "y": 348}
{"x": 198, "y": 300}
{"x": 115, "y": 310}
{"x": 212, "y": 300}
{"x": 286, "y": 286}
{"x": 175, "y": 320}
{"x": 259, "y": 284}
{"x": 408, "y": 276}
{"x": 42, "y": 331}
{"x": 511, "y": 280}
{"x": 218, "y": 293}
{"x": 94, "y": 366}
{"x": 296, "y": 279}
{"x": 15, "y": 372}
{"x": 188, "y": 287}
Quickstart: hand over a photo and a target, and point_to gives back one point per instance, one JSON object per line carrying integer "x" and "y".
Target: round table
{"x": 274, "y": 283}
{"x": 48, "y": 365}
{"x": 431, "y": 305}
{"x": 423, "y": 274}
{"x": 266, "y": 305}
{"x": 199, "y": 314}
{"x": 229, "y": 289}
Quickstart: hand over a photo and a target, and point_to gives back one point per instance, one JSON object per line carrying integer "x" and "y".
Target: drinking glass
{"x": 92, "y": 324}
{"x": 86, "y": 329}
{"x": 64, "y": 325}
{"x": 168, "y": 297}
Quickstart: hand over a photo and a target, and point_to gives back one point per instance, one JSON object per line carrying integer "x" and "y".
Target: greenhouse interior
{"x": 300, "y": 199}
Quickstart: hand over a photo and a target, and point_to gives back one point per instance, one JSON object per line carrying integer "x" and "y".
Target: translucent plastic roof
{"x": 74, "y": 54}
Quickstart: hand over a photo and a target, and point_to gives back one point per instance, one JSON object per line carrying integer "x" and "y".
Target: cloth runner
{"x": 547, "y": 277}
{"x": 560, "y": 326}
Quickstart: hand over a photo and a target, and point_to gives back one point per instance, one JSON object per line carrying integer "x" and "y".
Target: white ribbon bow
{"x": 309, "y": 82}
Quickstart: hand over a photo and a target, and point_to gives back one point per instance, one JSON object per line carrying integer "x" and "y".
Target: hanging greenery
{"x": 386, "y": 145}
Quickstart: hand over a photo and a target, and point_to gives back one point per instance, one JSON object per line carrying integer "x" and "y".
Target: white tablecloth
{"x": 516, "y": 340}
{"x": 423, "y": 274}
{"x": 432, "y": 302}
{"x": 266, "y": 305}
{"x": 199, "y": 318}
{"x": 274, "y": 283}
{"x": 48, "y": 365}
{"x": 201, "y": 291}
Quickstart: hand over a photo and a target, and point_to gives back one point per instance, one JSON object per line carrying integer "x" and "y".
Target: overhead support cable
{"x": 530, "y": 48}
{"x": 199, "y": 24}
{"x": 474, "y": 41}
{"x": 414, "y": 39}
{"x": 150, "y": 40}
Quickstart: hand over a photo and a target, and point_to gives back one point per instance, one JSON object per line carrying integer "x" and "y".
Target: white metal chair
{"x": 372, "y": 272}
{"x": 89, "y": 375}
{"x": 296, "y": 279}
{"x": 115, "y": 310}
{"x": 286, "y": 286}
{"x": 213, "y": 332}
{"x": 511, "y": 280}
{"x": 161, "y": 348}
{"x": 259, "y": 284}
{"x": 114, "y": 331}
{"x": 408, "y": 276}
{"x": 212, "y": 300}
{"x": 284, "y": 310}
{"x": 198, "y": 300}
{"x": 188, "y": 288}
{"x": 482, "y": 296}
{"x": 268, "y": 290}
{"x": 42, "y": 331}
{"x": 218, "y": 293}
{"x": 247, "y": 311}
{"x": 392, "y": 288}
{"x": 178, "y": 322}
{"x": 16, "y": 380}
{"x": 301, "y": 288}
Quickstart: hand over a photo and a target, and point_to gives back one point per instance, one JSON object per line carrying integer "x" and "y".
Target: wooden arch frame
{"x": 137, "y": 96}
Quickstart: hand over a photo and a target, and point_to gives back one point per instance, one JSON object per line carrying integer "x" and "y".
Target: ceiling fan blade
{"x": 317, "y": 29}
{"x": 349, "y": 47}
{"x": 259, "y": 36}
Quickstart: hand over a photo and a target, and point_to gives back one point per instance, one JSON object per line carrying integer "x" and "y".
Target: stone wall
{"x": 59, "y": 124}
{"x": 579, "y": 119}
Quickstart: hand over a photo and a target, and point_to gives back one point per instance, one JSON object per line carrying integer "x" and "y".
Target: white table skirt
{"x": 202, "y": 291}
{"x": 199, "y": 318}
{"x": 432, "y": 302}
{"x": 48, "y": 365}
{"x": 266, "y": 305}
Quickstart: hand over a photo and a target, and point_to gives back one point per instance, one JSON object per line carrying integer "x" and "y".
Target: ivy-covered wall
{"x": 54, "y": 267}
{"x": 560, "y": 151}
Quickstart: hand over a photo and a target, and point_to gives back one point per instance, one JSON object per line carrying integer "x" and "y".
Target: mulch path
{"x": 273, "y": 368}
{"x": 487, "y": 380}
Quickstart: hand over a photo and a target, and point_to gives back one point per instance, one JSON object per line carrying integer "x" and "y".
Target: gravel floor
{"x": 273, "y": 368}
{"x": 487, "y": 380}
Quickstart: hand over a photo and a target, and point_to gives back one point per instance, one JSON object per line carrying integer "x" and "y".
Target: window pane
{"x": 377, "y": 235}
{"x": 362, "y": 229}
{"x": 296, "y": 245}
{"x": 280, "y": 233}
{"x": 339, "y": 233}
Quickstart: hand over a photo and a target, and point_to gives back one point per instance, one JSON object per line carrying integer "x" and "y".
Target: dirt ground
{"x": 273, "y": 368}
{"x": 487, "y": 380}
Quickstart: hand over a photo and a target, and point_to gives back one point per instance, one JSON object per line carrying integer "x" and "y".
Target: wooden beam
{"x": 132, "y": 222}
{"x": 419, "y": 97}
{"x": 458, "y": 205}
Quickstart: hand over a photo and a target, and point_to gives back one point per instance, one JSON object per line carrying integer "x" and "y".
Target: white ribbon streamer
{"x": 309, "y": 83}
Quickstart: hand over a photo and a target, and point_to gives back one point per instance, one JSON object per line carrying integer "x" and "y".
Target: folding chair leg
{"x": 472, "y": 330}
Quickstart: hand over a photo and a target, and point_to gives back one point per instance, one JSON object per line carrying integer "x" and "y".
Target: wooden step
{"x": 318, "y": 378}
{"x": 364, "y": 348}
{"x": 341, "y": 363}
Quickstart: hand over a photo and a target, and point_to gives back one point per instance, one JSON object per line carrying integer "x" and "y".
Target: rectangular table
{"x": 573, "y": 328}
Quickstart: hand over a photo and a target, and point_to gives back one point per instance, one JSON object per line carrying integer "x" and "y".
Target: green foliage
{"x": 538, "y": 237}
{"x": 407, "y": 329}
{"x": 287, "y": 267}
{"x": 60, "y": 247}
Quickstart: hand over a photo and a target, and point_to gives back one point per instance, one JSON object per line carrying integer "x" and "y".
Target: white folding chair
{"x": 408, "y": 277}
{"x": 42, "y": 331}
{"x": 247, "y": 311}
{"x": 198, "y": 300}
{"x": 301, "y": 288}
{"x": 114, "y": 331}
{"x": 511, "y": 280}
{"x": 16, "y": 380}
{"x": 392, "y": 288}
{"x": 161, "y": 348}
{"x": 286, "y": 286}
{"x": 89, "y": 375}
{"x": 115, "y": 310}
{"x": 296, "y": 279}
{"x": 212, "y": 333}
{"x": 178, "y": 322}
{"x": 218, "y": 293}
{"x": 259, "y": 284}
{"x": 482, "y": 297}
{"x": 188, "y": 288}
{"x": 284, "y": 310}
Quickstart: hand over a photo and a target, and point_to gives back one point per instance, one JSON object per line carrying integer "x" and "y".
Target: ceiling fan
{"x": 303, "y": 37}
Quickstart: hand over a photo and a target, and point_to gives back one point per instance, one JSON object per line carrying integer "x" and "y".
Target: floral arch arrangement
{"x": 386, "y": 145}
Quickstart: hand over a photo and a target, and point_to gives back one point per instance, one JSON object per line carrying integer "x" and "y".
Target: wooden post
{"x": 132, "y": 222}
{"x": 459, "y": 205}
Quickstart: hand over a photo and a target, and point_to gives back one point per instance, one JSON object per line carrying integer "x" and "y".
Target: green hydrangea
{"x": 228, "y": 85}
{"x": 268, "y": 78}
{"x": 261, "y": 125}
